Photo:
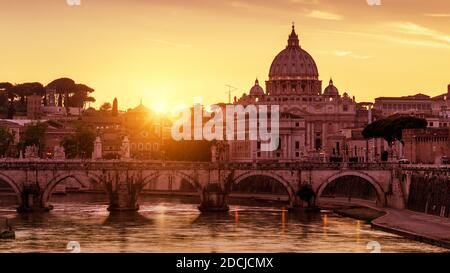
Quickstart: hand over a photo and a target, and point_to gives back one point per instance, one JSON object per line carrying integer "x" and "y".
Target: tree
{"x": 80, "y": 96}
{"x": 70, "y": 147}
{"x": 391, "y": 128}
{"x": 34, "y": 135}
{"x": 11, "y": 110}
{"x": 6, "y": 139}
{"x": 90, "y": 99}
{"x": 8, "y": 99}
{"x": 306, "y": 193}
{"x": 105, "y": 107}
{"x": 24, "y": 90}
{"x": 5, "y": 90}
{"x": 63, "y": 87}
{"x": 115, "y": 108}
{"x": 81, "y": 144}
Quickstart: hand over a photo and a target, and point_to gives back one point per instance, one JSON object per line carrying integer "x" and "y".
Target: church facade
{"x": 310, "y": 116}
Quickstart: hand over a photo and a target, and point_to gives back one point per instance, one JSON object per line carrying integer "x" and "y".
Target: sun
{"x": 160, "y": 107}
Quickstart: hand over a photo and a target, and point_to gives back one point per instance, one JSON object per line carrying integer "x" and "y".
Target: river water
{"x": 173, "y": 224}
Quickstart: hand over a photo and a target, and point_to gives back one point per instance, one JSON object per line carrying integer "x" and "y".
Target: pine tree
{"x": 115, "y": 108}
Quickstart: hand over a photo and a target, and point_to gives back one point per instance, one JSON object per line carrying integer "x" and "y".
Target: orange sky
{"x": 168, "y": 52}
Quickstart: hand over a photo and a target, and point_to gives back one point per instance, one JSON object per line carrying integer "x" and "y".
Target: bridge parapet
{"x": 42, "y": 164}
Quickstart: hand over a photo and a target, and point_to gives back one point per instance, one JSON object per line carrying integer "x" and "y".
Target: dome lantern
{"x": 293, "y": 40}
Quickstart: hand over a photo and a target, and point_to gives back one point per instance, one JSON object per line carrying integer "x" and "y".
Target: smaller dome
{"x": 256, "y": 89}
{"x": 331, "y": 90}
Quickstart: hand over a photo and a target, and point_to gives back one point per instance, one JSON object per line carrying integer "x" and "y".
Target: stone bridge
{"x": 34, "y": 181}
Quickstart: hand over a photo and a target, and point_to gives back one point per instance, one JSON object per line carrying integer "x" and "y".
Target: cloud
{"x": 342, "y": 53}
{"x": 437, "y": 14}
{"x": 169, "y": 43}
{"x": 324, "y": 15}
{"x": 346, "y": 53}
{"x": 390, "y": 38}
{"x": 240, "y": 4}
{"x": 414, "y": 29}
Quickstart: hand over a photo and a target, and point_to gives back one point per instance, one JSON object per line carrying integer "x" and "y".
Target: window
{"x": 297, "y": 154}
{"x": 297, "y": 124}
{"x": 345, "y": 108}
{"x": 297, "y": 145}
{"x": 258, "y": 154}
{"x": 148, "y": 147}
{"x": 140, "y": 147}
{"x": 155, "y": 147}
{"x": 258, "y": 145}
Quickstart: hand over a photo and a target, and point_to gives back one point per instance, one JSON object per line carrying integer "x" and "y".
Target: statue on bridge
{"x": 59, "y": 153}
{"x": 125, "y": 149}
{"x": 97, "y": 153}
{"x": 219, "y": 151}
{"x": 31, "y": 152}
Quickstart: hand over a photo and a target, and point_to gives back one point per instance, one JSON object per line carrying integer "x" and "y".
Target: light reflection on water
{"x": 176, "y": 225}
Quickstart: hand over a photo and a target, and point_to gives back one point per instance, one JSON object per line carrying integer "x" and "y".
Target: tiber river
{"x": 172, "y": 224}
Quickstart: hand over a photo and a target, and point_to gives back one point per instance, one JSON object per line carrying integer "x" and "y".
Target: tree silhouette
{"x": 5, "y": 91}
{"x": 24, "y": 90}
{"x": 391, "y": 128}
{"x": 115, "y": 108}
{"x": 105, "y": 107}
{"x": 63, "y": 87}
{"x": 81, "y": 144}
{"x": 71, "y": 94}
{"x": 34, "y": 135}
{"x": 6, "y": 139}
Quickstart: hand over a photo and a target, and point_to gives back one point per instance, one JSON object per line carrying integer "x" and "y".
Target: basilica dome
{"x": 256, "y": 89}
{"x": 331, "y": 90}
{"x": 293, "y": 63}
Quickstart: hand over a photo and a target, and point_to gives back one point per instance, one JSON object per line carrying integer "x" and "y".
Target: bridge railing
{"x": 184, "y": 165}
{"x": 308, "y": 165}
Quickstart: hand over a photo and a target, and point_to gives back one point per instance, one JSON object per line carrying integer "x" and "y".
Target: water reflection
{"x": 175, "y": 225}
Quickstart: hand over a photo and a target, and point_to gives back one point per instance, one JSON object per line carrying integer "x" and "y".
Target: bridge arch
{"x": 16, "y": 188}
{"x": 290, "y": 191}
{"x": 150, "y": 178}
{"x": 381, "y": 197}
{"x": 81, "y": 178}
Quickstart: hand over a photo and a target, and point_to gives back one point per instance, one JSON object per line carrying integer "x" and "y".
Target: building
{"x": 430, "y": 145}
{"x": 144, "y": 131}
{"x": 309, "y": 115}
{"x": 441, "y": 104}
{"x": 34, "y": 107}
{"x": 418, "y": 103}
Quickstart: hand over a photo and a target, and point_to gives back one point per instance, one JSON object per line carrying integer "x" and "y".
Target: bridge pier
{"x": 123, "y": 192}
{"x": 296, "y": 204}
{"x": 214, "y": 199}
{"x": 32, "y": 200}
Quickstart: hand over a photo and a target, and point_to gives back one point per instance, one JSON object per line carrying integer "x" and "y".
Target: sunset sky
{"x": 168, "y": 52}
